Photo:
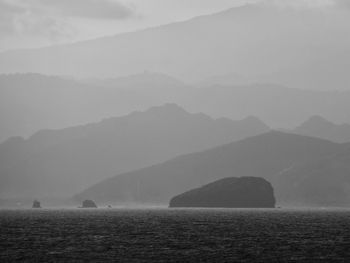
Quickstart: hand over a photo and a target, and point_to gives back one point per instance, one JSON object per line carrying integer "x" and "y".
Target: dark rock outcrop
{"x": 243, "y": 192}
{"x": 36, "y": 204}
{"x": 89, "y": 204}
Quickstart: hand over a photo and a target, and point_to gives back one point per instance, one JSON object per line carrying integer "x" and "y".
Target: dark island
{"x": 243, "y": 192}
{"x": 36, "y": 204}
{"x": 89, "y": 204}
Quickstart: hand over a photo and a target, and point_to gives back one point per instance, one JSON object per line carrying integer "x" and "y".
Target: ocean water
{"x": 174, "y": 235}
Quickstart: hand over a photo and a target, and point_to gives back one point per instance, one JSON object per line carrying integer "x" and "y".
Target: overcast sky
{"x": 35, "y": 23}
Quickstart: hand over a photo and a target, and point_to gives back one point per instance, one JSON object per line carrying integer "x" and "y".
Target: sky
{"x": 37, "y": 23}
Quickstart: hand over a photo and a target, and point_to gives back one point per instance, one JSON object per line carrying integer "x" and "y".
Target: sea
{"x": 175, "y": 235}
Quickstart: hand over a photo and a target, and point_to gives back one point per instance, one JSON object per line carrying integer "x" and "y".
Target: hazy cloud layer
{"x": 99, "y": 9}
{"x": 7, "y": 14}
{"x": 53, "y": 19}
{"x": 35, "y": 23}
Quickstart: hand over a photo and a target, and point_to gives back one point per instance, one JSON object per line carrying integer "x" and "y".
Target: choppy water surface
{"x": 159, "y": 235}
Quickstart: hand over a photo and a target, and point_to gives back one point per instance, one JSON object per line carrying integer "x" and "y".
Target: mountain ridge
{"x": 264, "y": 155}
{"x": 320, "y": 127}
{"x": 60, "y": 162}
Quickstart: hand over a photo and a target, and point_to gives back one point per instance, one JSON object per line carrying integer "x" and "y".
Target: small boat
{"x": 36, "y": 204}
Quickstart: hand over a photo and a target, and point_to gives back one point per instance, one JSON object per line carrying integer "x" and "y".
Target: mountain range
{"x": 223, "y": 81}
{"x": 265, "y": 41}
{"x": 317, "y": 126}
{"x": 271, "y": 155}
{"x": 165, "y": 151}
{"x": 60, "y": 163}
{"x": 32, "y": 102}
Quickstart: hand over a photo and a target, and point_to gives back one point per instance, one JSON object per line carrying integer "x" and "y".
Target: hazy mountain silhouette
{"x": 265, "y": 155}
{"x": 232, "y": 192}
{"x": 63, "y": 162}
{"x": 31, "y": 102}
{"x": 231, "y": 79}
{"x": 324, "y": 182}
{"x": 276, "y": 105}
{"x": 318, "y": 126}
{"x": 299, "y": 48}
{"x": 146, "y": 80}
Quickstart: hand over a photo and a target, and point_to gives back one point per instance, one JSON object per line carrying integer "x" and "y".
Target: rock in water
{"x": 89, "y": 204}
{"x": 36, "y": 204}
{"x": 243, "y": 192}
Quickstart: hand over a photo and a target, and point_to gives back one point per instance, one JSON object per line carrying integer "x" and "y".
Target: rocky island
{"x": 89, "y": 204}
{"x": 243, "y": 192}
{"x": 36, "y": 204}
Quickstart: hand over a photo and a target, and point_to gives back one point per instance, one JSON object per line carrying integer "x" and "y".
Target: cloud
{"x": 7, "y": 14}
{"x": 96, "y": 9}
{"x": 21, "y": 19}
{"x": 43, "y": 26}
{"x": 54, "y": 19}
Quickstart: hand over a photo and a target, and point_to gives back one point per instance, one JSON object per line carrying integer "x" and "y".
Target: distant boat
{"x": 36, "y": 204}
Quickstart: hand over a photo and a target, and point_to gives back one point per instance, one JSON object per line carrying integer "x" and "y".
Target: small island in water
{"x": 36, "y": 204}
{"x": 88, "y": 204}
{"x": 243, "y": 192}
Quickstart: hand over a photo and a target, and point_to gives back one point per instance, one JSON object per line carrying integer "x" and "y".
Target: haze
{"x": 138, "y": 101}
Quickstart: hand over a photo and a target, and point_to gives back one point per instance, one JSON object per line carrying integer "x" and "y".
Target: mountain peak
{"x": 166, "y": 109}
{"x": 316, "y": 121}
{"x": 318, "y": 118}
{"x": 253, "y": 119}
{"x": 318, "y": 126}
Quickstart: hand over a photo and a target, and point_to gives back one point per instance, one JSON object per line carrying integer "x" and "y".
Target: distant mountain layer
{"x": 243, "y": 192}
{"x": 320, "y": 127}
{"x": 60, "y": 163}
{"x": 32, "y": 102}
{"x": 323, "y": 182}
{"x": 268, "y": 155}
{"x": 302, "y": 47}
{"x": 143, "y": 81}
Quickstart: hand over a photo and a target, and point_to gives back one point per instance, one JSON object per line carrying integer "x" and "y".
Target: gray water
{"x": 176, "y": 235}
